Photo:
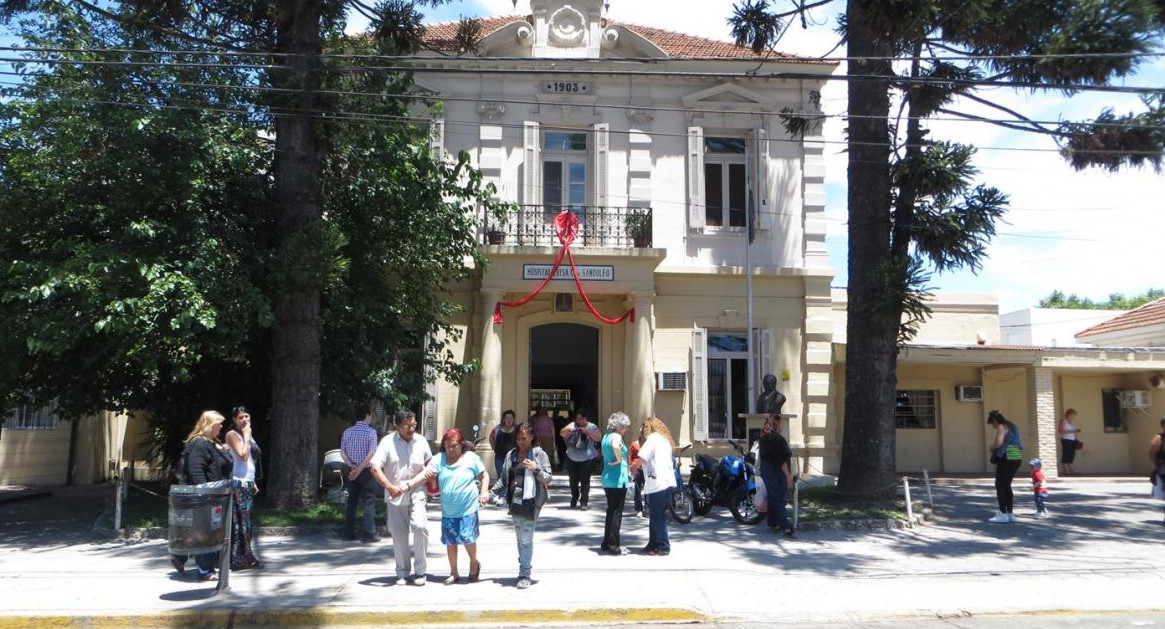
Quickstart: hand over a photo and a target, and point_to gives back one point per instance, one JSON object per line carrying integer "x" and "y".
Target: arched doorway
{"x": 564, "y": 367}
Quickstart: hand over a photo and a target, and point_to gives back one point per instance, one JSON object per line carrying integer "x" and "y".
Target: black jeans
{"x": 639, "y": 491}
{"x": 362, "y": 490}
{"x": 1004, "y": 474}
{"x": 616, "y": 497}
{"x": 580, "y": 480}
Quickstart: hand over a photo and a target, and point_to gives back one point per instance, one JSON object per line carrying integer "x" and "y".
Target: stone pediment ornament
{"x": 568, "y": 27}
{"x": 491, "y": 110}
{"x": 640, "y": 116}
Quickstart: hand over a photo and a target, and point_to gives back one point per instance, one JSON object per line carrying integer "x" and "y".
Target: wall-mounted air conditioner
{"x": 671, "y": 381}
{"x": 1136, "y": 399}
{"x": 969, "y": 393}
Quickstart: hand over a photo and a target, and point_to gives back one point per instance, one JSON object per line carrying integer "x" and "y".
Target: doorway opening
{"x": 564, "y": 369}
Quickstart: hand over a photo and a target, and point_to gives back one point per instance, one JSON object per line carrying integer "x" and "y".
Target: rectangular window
{"x": 564, "y": 171}
{"x": 31, "y": 418}
{"x": 725, "y": 183}
{"x": 1114, "y": 419}
{"x": 727, "y": 385}
{"x": 916, "y": 409}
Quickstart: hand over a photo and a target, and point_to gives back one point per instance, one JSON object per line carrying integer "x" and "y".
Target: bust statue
{"x": 771, "y": 400}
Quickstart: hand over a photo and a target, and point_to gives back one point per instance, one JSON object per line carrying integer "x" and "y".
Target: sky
{"x": 1091, "y": 233}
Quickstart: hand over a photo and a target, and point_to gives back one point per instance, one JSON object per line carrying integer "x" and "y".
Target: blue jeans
{"x": 777, "y": 489}
{"x": 657, "y": 521}
{"x": 524, "y": 530}
{"x": 1040, "y": 504}
{"x": 362, "y": 491}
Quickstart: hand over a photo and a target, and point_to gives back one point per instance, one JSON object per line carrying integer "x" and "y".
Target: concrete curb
{"x": 314, "y": 617}
{"x": 160, "y": 532}
{"x": 17, "y": 496}
{"x": 920, "y": 519}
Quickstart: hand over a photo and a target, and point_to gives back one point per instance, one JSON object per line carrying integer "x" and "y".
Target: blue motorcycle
{"x": 728, "y": 482}
{"x": 680, "y": 506}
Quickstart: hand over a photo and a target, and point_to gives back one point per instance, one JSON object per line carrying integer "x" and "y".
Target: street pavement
{"x": 1100, "y": 551}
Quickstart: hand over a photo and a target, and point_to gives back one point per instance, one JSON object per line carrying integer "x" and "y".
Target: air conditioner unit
{"x": 1136, "y": 399}
{"x": 671, "y": 381}
{"x": 969, "y": 393}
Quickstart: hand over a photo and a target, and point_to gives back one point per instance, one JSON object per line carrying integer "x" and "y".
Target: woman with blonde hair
{"x": 655, "y": 459}
{"x": 203, "y": 461}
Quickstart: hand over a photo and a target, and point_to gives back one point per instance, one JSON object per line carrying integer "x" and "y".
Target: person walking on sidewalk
{"x": 1068, "y": 441}
{"x": 614, "y": 479}
{"x": 399, "y": 457}
{"x": 245, "y": 470}
{"x": 501, "y": 440}
{"x": 464, "y": 488}
{"x": 775, "y": 456}
{"x": 523, "y": 483}
{"x": 655, "y": 459}
{"x": 1039, "y": 487}
{"x": 203, "y": 461}
{"x": 357, "y": 445}
{"x": 581, "y": 436}
{"x": 1007, "y": 455}
{"x": 1157, "y": 457}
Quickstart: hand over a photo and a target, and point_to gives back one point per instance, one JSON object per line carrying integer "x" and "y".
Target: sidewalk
{"x": 1099, "y": 551}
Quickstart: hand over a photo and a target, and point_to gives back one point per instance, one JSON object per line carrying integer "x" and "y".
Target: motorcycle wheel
{"x": 743, "y": 508}
{"x": 681, "y": 506}
{"x": 701, "y": 499}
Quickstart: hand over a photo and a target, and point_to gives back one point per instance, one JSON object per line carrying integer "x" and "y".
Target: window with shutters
{"x": 725, "y": 182}
{"x": 727, "y": 384}
{"x": 564, "y": 171}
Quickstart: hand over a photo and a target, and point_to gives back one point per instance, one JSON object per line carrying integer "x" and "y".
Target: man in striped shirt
{"x": 357, "y": 446}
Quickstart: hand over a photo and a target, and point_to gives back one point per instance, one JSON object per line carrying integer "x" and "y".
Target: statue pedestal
{"x": 754, "y": 422}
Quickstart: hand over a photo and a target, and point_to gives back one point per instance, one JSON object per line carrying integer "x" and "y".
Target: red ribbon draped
{"x": 566, "y": 227}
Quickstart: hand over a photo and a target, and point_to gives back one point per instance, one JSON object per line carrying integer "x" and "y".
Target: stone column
{"x": 491, "y": 362}
{"x": 1041, "y": 401}
{"x": 638, "y": 361}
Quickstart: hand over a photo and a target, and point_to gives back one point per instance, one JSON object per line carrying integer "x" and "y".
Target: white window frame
{"x": 567, "y": 158}
{"x": 724, "y": 161}
{"x": 717, "y": 354}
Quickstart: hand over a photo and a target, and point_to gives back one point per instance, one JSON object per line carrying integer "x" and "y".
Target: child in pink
{"x": 1041, "y": 491}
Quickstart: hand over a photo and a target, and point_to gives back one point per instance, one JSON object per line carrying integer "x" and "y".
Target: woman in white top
{"x": 1068, "y": 441}
{"x": 655, "y": 459}
{"x": 245, "y": 462}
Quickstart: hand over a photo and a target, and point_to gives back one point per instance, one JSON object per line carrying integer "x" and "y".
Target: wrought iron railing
{"x": 533, "y": 225}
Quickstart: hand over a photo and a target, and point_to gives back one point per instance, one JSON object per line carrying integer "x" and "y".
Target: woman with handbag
{"x": 581, "y": 455}
{"x": 1069, "y": 442}
{"x": 1006, "y": 454}
{"x": 523, "y": 482}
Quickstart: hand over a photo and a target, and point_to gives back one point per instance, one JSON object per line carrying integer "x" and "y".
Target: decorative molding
{"x": 642, "y": 117}
{"x": 568, "y": 27}
{"x": 491, "y": 110}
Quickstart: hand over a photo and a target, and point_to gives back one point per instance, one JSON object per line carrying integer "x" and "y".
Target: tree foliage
{"x": 1115, "y": 301}
{"x": 156, "y": 239}
{"x": 915, "y": 206}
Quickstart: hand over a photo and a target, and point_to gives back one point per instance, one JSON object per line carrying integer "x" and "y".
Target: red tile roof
{"x": 1152, "y": 313}
{"x": 441, "y": 37}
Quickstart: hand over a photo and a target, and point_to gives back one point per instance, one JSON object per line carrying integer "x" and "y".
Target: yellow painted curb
{"x": 322, "y": 618}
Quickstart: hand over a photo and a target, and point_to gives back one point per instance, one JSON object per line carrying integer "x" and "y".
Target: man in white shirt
{"x": 399, "y": 457}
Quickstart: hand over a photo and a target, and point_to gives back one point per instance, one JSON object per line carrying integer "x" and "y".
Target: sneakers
{"x": 1041, "y": 514}
{"x": 1000, "y": 517}
{"x": 1011, "y": 517}
{"x": 420, "y": 580}
{"x": 402, "y": 581}
{"x": 523, "y": 583}
{"x": 639, "y": 514}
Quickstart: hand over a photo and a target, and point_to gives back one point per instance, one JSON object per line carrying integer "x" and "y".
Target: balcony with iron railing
{"x": 533, "y": 226}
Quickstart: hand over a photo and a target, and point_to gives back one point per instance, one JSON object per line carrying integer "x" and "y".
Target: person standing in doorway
{"x": 1007, "y": 455}
{"x": 1068, "y": 431}
{"x": 614, "y": 479}
{"x": 399, "y": 457}
{"x": 543, "y": 430}
{"x": 502, "y": 440}
{"x": 581, "y": 436}
{"x": 357, "y": 445}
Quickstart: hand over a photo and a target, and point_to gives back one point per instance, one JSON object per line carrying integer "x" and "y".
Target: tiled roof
{"x": 1152, "y": 313}
{"x": 441, "y": 37}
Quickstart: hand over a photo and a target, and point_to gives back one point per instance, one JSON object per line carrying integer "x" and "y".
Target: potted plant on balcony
{"x": 639, "y": 227}
{"x": 495, "y": 233}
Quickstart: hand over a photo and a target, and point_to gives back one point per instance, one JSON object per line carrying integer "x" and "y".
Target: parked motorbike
{"x": 729, "y": 482}
{"x": 680, "y": 505}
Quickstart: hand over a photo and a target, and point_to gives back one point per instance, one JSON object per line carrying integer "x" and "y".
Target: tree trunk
{"x": 295, "y": 356}
{"x": 867, "y": 458}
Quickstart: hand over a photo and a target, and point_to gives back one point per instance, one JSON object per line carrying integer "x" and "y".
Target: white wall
{"x": 1050, "y": 327}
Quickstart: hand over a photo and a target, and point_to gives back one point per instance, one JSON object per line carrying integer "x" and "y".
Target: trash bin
{"x": 198, "y": 517}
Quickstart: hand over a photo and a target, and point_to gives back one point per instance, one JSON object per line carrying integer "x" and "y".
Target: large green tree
{"x": 914, "y": 207}
{"x": 196, "y": 200}
{"x": 1115, "y": 301}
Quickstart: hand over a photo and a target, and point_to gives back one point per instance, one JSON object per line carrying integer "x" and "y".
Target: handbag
{"x": 762, "y": 495}
{"x": 1079, "y": 444}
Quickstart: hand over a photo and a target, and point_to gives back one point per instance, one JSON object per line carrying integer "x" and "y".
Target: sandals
{"x": 474, "y": 575}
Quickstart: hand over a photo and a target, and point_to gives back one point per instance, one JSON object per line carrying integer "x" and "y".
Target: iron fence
{"x": 533, "y": 226}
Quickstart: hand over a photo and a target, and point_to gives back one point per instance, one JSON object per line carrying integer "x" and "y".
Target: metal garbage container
{"x": 199, "y": 516}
